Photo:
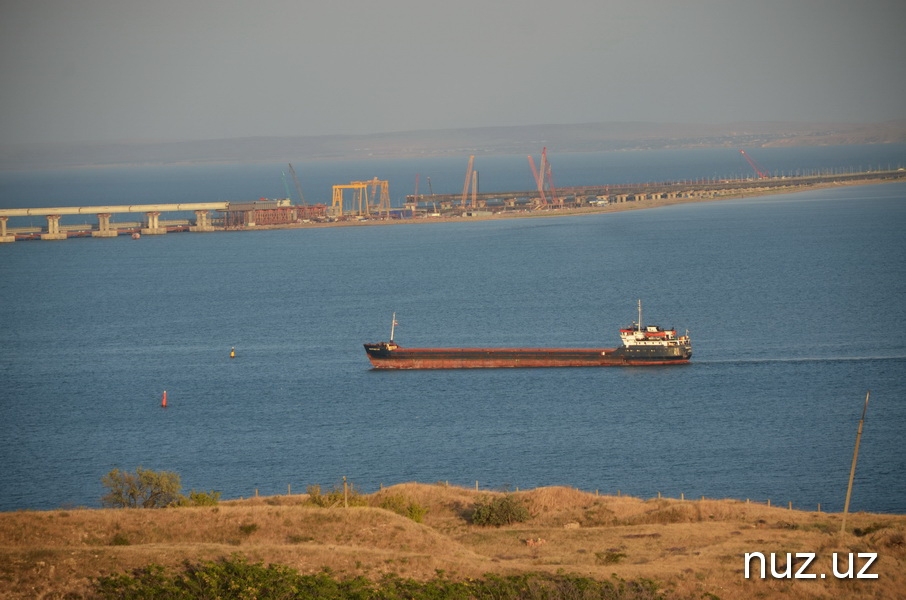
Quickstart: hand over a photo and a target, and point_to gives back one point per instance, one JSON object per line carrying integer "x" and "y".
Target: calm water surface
{"x": 794, "y": 303}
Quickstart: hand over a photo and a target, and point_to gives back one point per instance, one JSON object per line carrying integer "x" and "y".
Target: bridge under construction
{"x": 372, "y": 201}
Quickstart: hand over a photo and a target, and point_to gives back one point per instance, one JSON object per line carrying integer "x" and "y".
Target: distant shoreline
{"x": 481, "y": 141}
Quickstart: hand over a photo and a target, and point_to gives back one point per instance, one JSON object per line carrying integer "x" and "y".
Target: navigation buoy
{"x": 232, "y": 352}
{"x": 163, "y": 400}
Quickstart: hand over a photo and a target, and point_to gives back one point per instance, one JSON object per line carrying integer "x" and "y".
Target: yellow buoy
{"x": 232, "y": 352}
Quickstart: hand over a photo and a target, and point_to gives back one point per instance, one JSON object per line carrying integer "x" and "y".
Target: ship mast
{"x": 392, "y": 326}
{"x": 640, "y": 314}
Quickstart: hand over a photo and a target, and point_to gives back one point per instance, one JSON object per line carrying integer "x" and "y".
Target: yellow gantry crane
{"x": 363, "y": 204}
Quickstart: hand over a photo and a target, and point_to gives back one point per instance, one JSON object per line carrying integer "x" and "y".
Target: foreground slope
{"x": 691, "y": 547}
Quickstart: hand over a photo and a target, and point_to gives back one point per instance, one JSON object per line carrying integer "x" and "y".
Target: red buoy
{"x": 163, "y": 400}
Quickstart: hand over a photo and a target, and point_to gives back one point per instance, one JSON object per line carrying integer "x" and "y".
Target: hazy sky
{"x": 86, "y": 70}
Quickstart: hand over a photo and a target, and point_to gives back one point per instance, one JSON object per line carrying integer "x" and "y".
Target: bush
{"x": 401, "y": 506}
{"x": 236, "y": 578}
{"x": 504, "y": 510}
{"x": 143, "y": 489}
{"x": 335, "y": 497}
{"x": 211, "y": 498}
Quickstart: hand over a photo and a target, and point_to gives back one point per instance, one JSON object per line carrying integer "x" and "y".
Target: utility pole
{"x": 852, "y": 470}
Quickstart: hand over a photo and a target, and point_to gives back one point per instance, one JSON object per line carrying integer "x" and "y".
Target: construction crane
{"x": 544, "y": 178}
{"x": 292, "y": 172}
{"x": 361, "y": 198}
{"x": 465, "y": 186}
{"x": 430, "y": 189}
{"x": 758, "y": 170}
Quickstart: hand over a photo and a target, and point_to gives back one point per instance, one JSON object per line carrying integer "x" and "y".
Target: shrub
{"x": 504, "y": 510}
{"x": 143, "y": 489}
{"x": 401, "y": 506}
{"x": 120, "y": 539}
{"x": 335, "y": 497}
{"x": 236, "y": 578}
{"x": 416, "y": 512}
{"x": 211, "y": 498}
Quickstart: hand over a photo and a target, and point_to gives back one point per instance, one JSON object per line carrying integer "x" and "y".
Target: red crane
{"x": 469, "y": 180}
{"x": 544, "y": 178}
{"x": 758, "y": 170}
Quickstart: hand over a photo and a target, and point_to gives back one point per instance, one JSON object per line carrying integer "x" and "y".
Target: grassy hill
{"x": 690, "y": 548}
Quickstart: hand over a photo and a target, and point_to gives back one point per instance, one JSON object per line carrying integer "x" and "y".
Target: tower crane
{"x": 758, "y": 170}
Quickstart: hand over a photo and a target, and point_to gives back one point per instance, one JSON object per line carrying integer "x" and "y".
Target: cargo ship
{"x": 642, "y": 345}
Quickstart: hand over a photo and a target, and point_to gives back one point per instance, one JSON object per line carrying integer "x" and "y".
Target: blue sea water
{"x": 795, "y": 305}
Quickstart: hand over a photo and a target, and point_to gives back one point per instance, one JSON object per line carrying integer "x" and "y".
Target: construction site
{"x": 370, "y": 200}
{"x": 546, "y": 196}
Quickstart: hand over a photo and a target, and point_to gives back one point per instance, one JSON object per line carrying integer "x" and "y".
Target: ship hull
{"x": 396, "y": 357}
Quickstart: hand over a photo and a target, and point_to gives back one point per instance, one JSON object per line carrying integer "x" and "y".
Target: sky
{"x": 129, "y": 70}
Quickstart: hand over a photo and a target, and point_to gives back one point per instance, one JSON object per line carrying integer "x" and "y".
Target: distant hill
{"x": 587, "y": 137}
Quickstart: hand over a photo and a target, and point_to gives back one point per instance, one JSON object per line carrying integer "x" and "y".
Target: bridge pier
{"x": 4, "y": 236}
{"x": 53, "y": 229}
{"x": 154, "y": 227}
{"x": 202, "y": 222}
{"x": 104, "y": 229}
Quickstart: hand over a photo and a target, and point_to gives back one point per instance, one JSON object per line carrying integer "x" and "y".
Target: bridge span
{"x": 105, "y": 227}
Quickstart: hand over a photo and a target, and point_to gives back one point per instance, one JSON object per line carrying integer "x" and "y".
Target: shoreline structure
{"x": 619, "y": 198}
{"x": 656, "y": 198}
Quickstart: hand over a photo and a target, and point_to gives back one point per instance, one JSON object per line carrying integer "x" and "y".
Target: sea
{"x": 795, "y": 303}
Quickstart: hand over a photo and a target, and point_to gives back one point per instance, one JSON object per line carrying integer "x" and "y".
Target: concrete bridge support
{"x": 202, "y": 221}
{"x": 154, "y": 227}
{"x": 4, "y": 236}
{"x": 104, "y": 229}
{"x": 53, "y": 229}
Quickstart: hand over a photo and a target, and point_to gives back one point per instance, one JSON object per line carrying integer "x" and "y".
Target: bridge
{"x": 105, "y": 227}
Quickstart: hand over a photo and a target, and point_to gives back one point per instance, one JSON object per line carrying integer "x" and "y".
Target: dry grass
{"x": 691, "y": 547}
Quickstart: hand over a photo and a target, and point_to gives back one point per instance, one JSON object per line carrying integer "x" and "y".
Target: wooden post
{"x": 852, "y": 469}
{"x": 345, "y": 493}
{"x": 289, "y": 489}
{"x": 476, "y": 485}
